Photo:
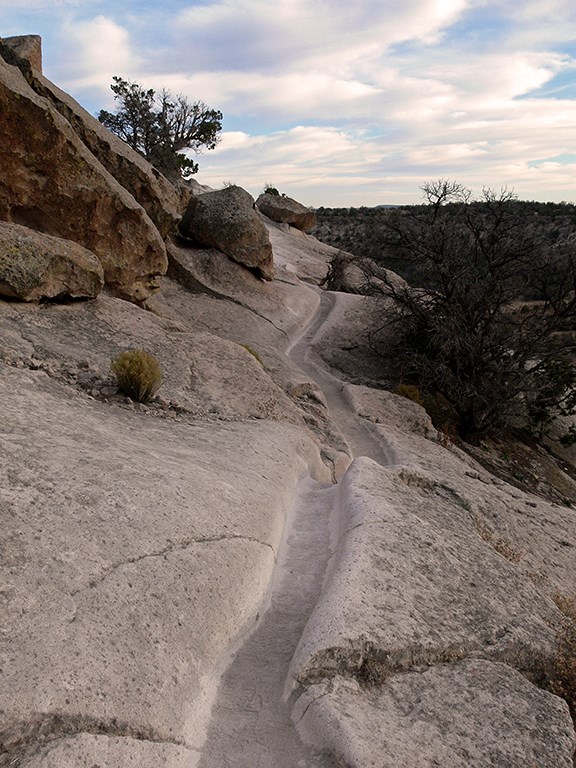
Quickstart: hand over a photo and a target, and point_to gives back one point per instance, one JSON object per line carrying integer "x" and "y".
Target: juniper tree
{"x": 490, "y": 328}
{"x": 160, "y": 126}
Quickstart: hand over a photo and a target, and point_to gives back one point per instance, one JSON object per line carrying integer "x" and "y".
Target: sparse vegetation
{"x": 503, "y": 546}
{"x": 468, "y": 337}
{"x": 410, "y": 392}
{"x": 138, "y": 374}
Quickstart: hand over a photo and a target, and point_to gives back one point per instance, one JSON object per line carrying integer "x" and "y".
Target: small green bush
{"x": 138, "y": 374}
{"x": 436, "y": 406}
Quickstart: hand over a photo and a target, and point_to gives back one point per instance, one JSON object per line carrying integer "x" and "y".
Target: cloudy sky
{"x": 340, "y": 102}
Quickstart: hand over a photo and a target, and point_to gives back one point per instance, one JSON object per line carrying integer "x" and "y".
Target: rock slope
{"x": 184, "y": 578}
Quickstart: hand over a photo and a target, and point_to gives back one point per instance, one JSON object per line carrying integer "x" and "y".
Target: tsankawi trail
{"x": 240, "y": 548}
{"x": 252, "y": 722}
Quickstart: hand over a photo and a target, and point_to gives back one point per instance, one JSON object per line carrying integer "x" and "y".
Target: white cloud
{"x": 95, "y": 50}
{"x": 362, "y": 100}
{"x": 256, "y": 34}
{"x": 31, "y": 5}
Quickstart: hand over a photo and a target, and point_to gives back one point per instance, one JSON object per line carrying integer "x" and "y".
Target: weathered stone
{"x": 27, "y": 47}
{"x": 86, "y": 750}
{"x": 280, "y": 302}
{"x": 473, "y": 714}
{"x": 413, "y": 582}
{"x": 133, "y": 552}
{"x": 34, "y": 266}
{"x": 299, "y": 254}
{"x": 286, "y": 211}
{"x": 536, "y": 535}
{"x": 226, "y": 220}
{"x": 49, "y": 181}
{"x": 160, "y": 199}
{"x": 364, "y": 276}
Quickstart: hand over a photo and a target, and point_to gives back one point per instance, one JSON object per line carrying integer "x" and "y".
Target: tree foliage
{"x": 469, "y": 335}
{"x": 160, "y": 126}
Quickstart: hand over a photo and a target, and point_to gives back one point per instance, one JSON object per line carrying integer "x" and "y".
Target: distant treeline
{"x": 362, "y": 231}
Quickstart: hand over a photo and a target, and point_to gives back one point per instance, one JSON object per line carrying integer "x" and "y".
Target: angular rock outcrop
{"x": 364, "y": 276}
{"x": 133, "y": 552}
{"x": 209, "y": 270}
{"x": 27, "y": 47}
{"x": 160, "y": 199}
{"x": 226, "y": 220}
{"x": 286, "y": 211}
{"x": 405, "y": 546}
{"x": 34, "y": 266}
{"x": 51, "y": 182}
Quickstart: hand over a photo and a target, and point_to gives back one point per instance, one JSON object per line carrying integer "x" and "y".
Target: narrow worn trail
{"x": 356, "y": 431}
{"x": 251, "y": 724}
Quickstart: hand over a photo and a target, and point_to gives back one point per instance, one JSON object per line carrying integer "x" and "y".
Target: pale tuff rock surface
{"x": 226, "y": 220}
{"x": 87, "y": 750}
{"x": 298, "y": 253}
{"x": 143, "y": 546}
{"x": 204, "y": 375}
{"x": 412, "y": 582}
{"x": 285, "y": 210}
{"x": 472, "y": 714}
{"x": 35, "y": 266}
{"x": 134, "y": 552}
{"x": 537, "y": 536}
{"x": 440, "y": 573}
{"x": 51, "y": 182}
{"x": 284, "y": 303}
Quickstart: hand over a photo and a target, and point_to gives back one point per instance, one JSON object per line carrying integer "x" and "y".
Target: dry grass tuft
{"x": 138, "y": 374}
{"x": 253, "y": 352}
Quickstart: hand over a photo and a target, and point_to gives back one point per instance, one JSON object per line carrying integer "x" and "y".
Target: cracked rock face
{"x": 51, "y": 182}
{"x": 473, "y": 714}
{"x": 133, "y": 552}
{"x": 35, "y": 266}
{"x": 86, "y": 750}
{"x": 414, "y": 583}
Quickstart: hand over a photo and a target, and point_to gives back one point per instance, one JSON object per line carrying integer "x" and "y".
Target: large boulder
{"x": 226, "y": 220}
{"x": 159, "y": 198}
{"x": 286, "y": 211}
{"x": 35, "y": 266}
{"x": 51, "y": 182}
{"x": 358, "y": 274}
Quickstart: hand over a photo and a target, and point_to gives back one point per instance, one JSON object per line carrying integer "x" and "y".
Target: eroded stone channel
{"x": 251, "y": 724}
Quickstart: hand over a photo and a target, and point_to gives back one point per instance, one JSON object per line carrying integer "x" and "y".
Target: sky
{"x": 340, "y": 102}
